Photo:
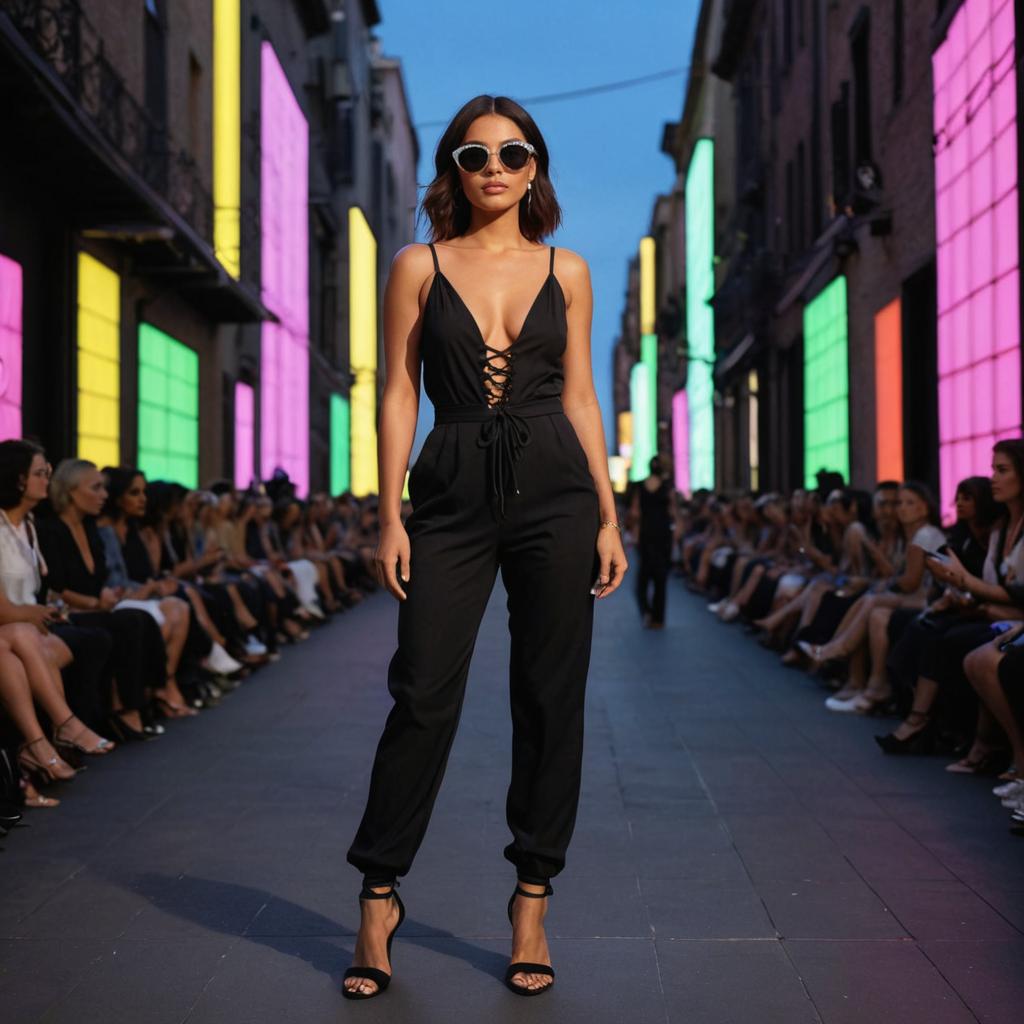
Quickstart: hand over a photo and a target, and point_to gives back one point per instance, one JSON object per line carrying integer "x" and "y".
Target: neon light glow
{"x": 10, "y": 348}
{"x": 975, "y": 128}
{"x": 624, "y": 426}
{"x": 681, "y": 441}
{"x": 826, "y": 384}
{"x": 168, "y": 408}
{"x": 284, "y": 362}
{"x": 889, "y": 392}
{"x": 700, "y": 318}
{"x": 754, "y": 429}
{"x": 363, "y": 352}
{"x": 227, "y": 133}
{"x": 647, "y": 285}
{"x": 99, "y": 362}
{"x": 341, "y": 476}
{"x": 643, "y": 436}
{"x": 245, "y": 434}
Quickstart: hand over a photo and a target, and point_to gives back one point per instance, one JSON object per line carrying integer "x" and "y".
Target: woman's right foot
{"x": 39, "y": 756}
{"x": 378, "y": 921}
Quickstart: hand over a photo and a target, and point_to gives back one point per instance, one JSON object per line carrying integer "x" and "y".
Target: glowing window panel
{"x": 889, "y": 392}
{"x": 640, "y": 396}
{"x": 624, "y": 426}
{"x": 700, "y": 318}
{"x": 647, "y": 285}
{"x": 168, "y": 408}
{"x": 826, "y": 384}
{"x": 245, "y": 434}
{"x": 681, "y": 441}
{"x": 753, "y": 430}
{"x": 284, "y": 356}
{"x": 227, "y": 133}
{"x": 99, "y": 362}
{"x": 340, "y": 451}
{"x": 977, "y": 263}
{"x": 10, "y": 348}
{"x": 363, "y": 352}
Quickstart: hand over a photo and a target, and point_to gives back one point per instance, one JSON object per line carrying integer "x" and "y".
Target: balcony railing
{"x": 63, "y": 37}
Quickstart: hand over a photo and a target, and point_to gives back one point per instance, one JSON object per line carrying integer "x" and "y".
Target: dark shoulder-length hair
{"x": 979, "y": 489}
{"x": 925, "y": 493}
{"x": 446, "y": 205}
{"x": 15, "y": 462}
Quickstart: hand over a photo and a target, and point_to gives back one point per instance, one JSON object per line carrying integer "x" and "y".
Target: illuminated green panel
{"x": 168, "y": 408}
{"x": 641, "y": 396}
{"x": 340, "y": 454}
{"x": 826, "y": 384}
{"x": 700, "y": 318}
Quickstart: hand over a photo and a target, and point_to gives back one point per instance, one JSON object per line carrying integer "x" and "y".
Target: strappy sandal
{"x": 523, "y": 967}
{"x": 374, "y": 974}
{"x": 48, "y": 770}
{"x": 104, "y": 746}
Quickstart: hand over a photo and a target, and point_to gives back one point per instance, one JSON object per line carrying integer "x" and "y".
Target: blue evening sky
{"x": 606, "y": 164}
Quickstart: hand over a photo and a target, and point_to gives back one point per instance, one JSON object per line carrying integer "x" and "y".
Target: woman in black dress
{"x": 512, "y": 477}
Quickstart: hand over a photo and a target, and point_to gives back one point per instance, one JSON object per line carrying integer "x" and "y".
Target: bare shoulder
{"x": 413, "y": 261}
{"x": 573, "y": 272}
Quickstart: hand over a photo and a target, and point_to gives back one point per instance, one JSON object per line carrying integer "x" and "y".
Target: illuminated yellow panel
{"x": 647, "y": 289}
{"x": 625, "y": 425}
{"x": 363, "y": 352}
{"x": 227, "y": 133}
{"x": 99, "y": 362}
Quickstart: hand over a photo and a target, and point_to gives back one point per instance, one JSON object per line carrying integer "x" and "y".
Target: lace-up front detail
{"x": 505, "y": 429}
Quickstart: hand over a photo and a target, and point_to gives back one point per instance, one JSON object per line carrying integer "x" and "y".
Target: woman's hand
{"x": 393, "y": 548}
{"x": 39, "y": 615}
{"x": 950, "y": 571}
{"x": 613, "y": 561}
{"x": 108, "y": 598}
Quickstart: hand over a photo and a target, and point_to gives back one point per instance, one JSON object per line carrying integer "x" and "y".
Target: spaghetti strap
{"x": 551, "y": 269}
{"x": 433, "y": 252}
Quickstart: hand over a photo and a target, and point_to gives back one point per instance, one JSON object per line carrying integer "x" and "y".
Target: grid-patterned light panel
{"x": 99, "y": 362}
{"x": 10, "y": 347}
{"x": 245, "y": 434}
{"x": 168, "y": 408}
{"x": 975, "y": 127}
{"x": 826, "y": 384}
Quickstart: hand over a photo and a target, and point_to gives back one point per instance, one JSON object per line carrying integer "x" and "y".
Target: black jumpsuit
{"x": 499, "y": 483}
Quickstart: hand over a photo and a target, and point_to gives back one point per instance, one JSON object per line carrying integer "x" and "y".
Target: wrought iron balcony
{"x": 60, "y": 33}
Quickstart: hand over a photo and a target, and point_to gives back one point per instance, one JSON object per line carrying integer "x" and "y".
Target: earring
{"x": 529, "y": 195}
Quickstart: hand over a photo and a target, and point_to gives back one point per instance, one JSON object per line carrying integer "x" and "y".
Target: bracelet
{"x": 608, "y": 522}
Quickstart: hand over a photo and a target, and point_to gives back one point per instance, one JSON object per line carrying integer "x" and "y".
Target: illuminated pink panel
{"x": 976, "y": 202}
{"x": 681, "y": 441}
{"x": 284, "y": 362}
{"x": 10, "y": 348}
{"x": 245, "y": 431}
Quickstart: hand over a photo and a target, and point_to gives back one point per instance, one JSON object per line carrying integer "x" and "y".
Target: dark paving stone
{"x": 987, "y": 975}
{"x": 853, "y": 982}
{"x": 946, "y": 910}
{"x": 732, "y": 983}
{"x": 829, "y": 910}
{"x": 700, "y": 910}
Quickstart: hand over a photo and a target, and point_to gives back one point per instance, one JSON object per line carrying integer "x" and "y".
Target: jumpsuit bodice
{"x": 466, "y": 379}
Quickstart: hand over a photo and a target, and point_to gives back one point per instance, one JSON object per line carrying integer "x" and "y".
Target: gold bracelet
{"x": 608, "y": 522}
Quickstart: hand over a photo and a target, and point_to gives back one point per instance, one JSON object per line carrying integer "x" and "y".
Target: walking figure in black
{"x": 653, "y": 508}
{"x": 512, "y": 477}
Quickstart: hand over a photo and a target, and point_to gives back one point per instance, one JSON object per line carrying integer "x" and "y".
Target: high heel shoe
{"x": 167, "y": 709}
{"x": 918, "y": 742}
{"x": 523, "y": 967}
{"x": 103, "y": 747}
{"x": 124, "y": 732}
{"x": 54, "y": 769}
{"x": 381, "y": 978}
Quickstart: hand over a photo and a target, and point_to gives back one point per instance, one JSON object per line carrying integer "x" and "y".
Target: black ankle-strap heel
{"x": 523, "y": 967}
{"x": 374, "y": 974}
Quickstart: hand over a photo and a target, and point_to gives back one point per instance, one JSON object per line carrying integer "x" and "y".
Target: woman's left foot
{"x": 73, "y": 732}
{"x": 529, "y": 943}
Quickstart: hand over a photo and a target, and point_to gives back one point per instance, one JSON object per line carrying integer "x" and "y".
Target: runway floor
{"x": 741, "y": 855}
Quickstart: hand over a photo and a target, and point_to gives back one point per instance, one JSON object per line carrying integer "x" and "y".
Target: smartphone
{"x": 940, "y": 558}
{"x": 1016, "y": 640}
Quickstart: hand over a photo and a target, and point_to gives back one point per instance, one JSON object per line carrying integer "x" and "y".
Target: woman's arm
{"x": 913, "y": 572}
{"x": 400, "y": 400}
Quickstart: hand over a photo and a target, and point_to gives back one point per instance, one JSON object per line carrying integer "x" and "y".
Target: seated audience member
{"x": 78, "y": 571}
{"x": 997, "y": 595}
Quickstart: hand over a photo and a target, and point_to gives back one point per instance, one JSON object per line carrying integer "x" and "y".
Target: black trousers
{"x": 544, "y": 544}
{"x": 655, "y": 560}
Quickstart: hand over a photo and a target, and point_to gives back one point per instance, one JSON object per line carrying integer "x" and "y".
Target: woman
{"x": 78, "y": 572}
{"x": 998, "y": 594}
{"x": 918, "y": 515}
{"x": 514, "y": 475}
{"x": 654, "y": 511}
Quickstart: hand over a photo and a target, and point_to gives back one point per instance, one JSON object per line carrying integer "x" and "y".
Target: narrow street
{"x": 740, "y": 855}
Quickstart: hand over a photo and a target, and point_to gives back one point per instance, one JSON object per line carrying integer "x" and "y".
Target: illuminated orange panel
{"x": 889, "y": 392}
